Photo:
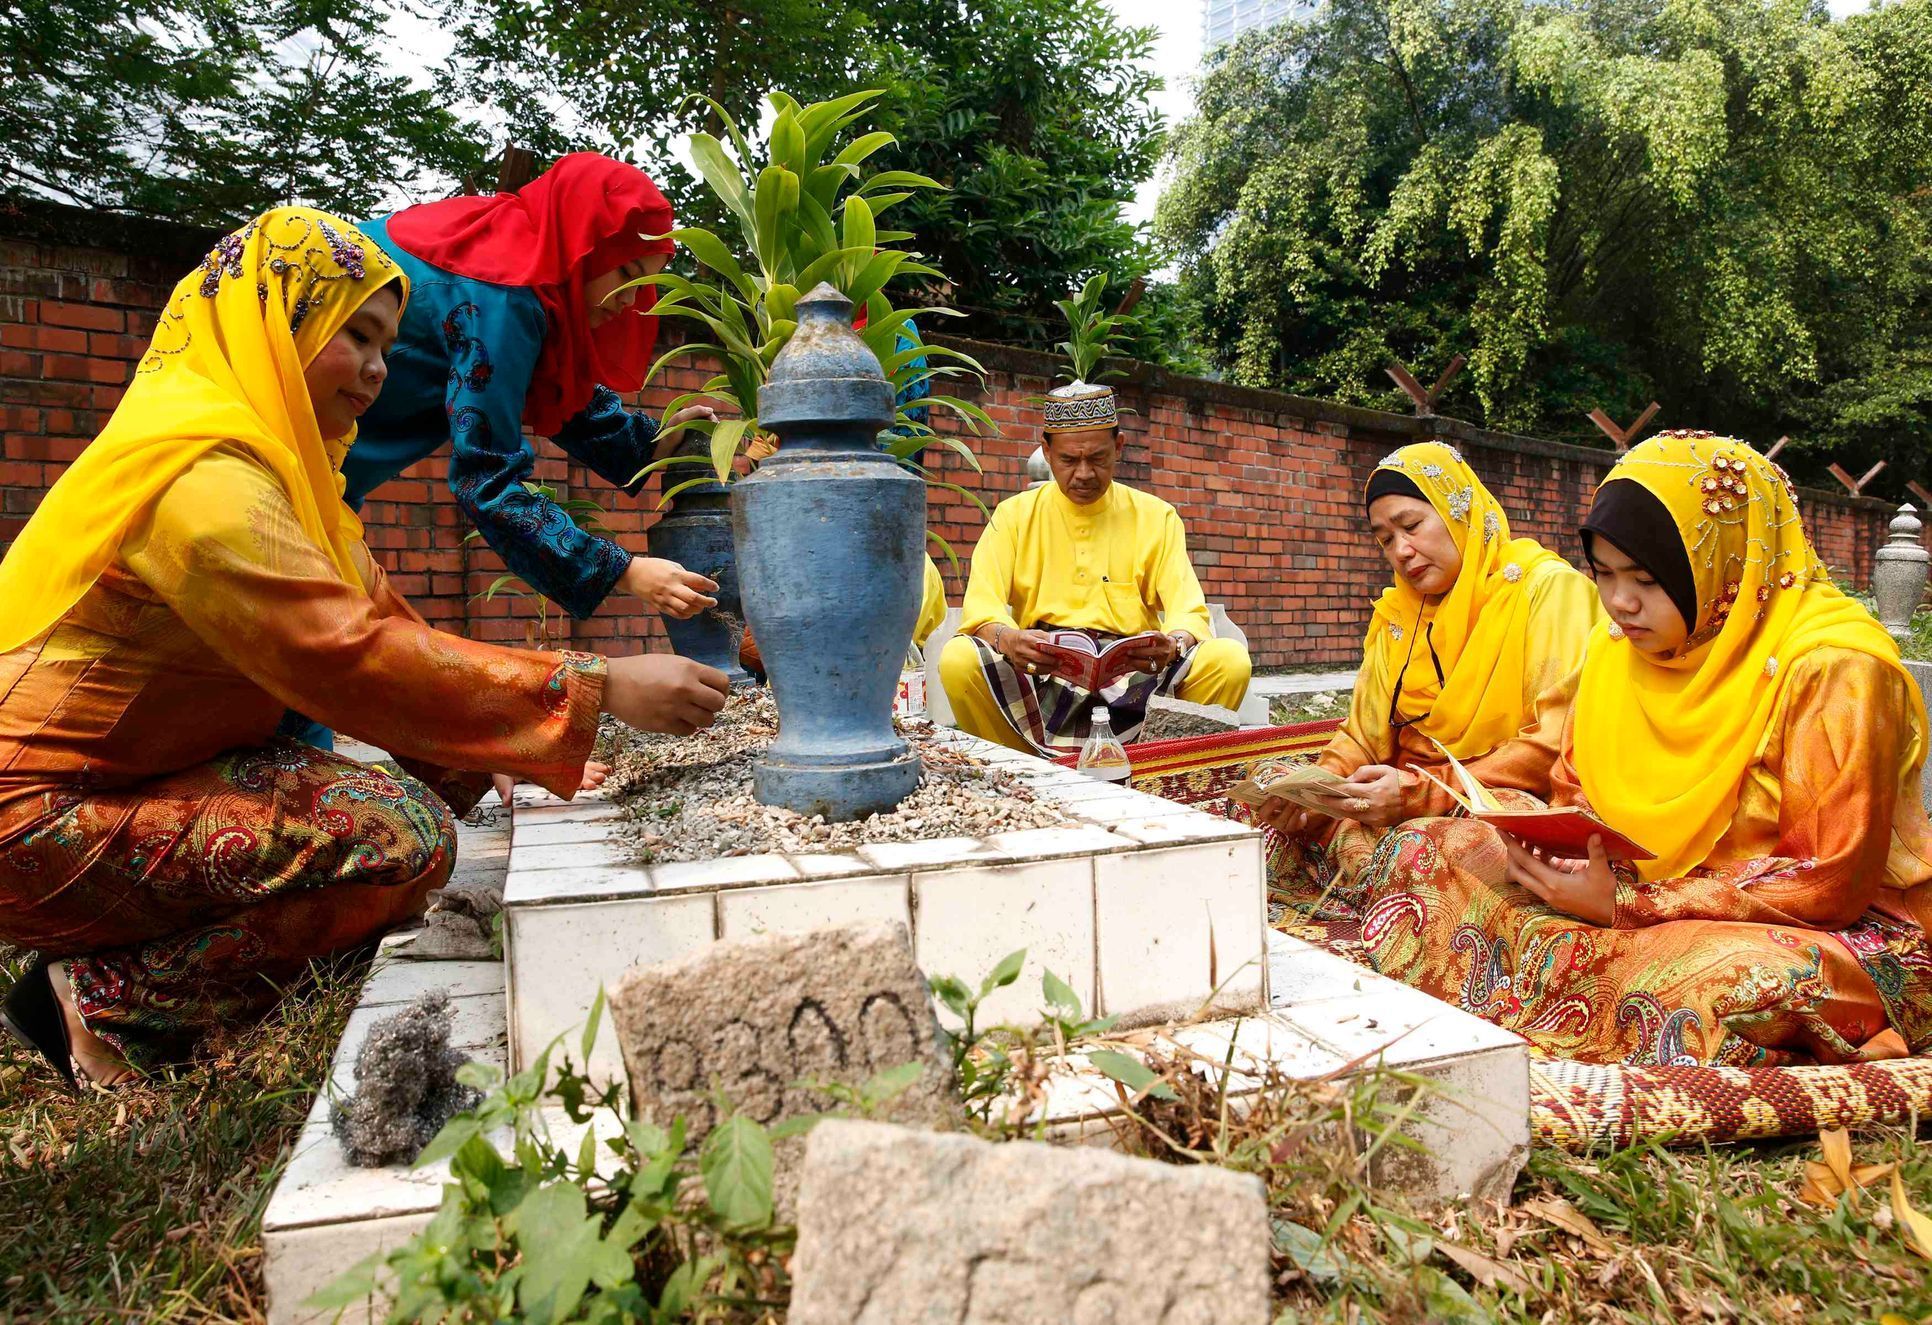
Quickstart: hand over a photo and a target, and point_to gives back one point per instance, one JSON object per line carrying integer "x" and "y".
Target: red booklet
{"x": 1562, "y": 831}
{"x": 1075, "y": 658}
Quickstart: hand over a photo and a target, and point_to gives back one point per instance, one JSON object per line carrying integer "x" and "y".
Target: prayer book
{"x": 1296, "y": 781}
{"x": 1077, "y": 660}
{"x": 1562, "y": 831}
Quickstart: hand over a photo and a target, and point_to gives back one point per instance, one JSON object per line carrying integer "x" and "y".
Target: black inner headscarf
{"x": 1390, "y": 483}
{"x": 1633, "y": 518}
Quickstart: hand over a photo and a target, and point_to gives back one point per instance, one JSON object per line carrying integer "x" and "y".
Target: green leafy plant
{"x": 630, "y": 1228}
{"x": 589, "y": 517}
{"x": 1091, "y": 331}
{"x": 806, "y": 213}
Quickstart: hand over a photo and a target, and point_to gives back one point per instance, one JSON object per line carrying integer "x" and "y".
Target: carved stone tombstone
{"x": 897, "y": 1227}
{"x": 1898, "y": 580}
{"x": 753, "y": 1019}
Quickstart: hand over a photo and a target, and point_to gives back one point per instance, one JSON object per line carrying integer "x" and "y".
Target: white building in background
{"x": 1224, "y": 20}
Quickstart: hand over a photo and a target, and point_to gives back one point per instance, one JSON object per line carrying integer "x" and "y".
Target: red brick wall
{"x": 1268, "y": 484}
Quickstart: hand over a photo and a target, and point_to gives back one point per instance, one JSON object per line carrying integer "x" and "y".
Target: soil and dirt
{"x": 689, "y": 797}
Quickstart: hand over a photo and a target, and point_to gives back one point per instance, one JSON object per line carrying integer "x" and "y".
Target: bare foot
{"x": 93, "y": 1057}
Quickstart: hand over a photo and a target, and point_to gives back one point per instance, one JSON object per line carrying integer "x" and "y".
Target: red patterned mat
{"x": 1585, "y": 1106}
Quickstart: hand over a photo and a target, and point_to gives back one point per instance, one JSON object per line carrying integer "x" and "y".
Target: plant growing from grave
{"x": 589, "y": 517}
{"x": 806, "y": 213}
{"x": 631, "y": 1228}
{"x": 1092, "y": 331}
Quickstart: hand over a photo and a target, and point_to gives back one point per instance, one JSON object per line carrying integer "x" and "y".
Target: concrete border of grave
{"x": 1334, "y": 1020}
{"x": 1148, "y": 909}
{"x": 325, "y": 1214}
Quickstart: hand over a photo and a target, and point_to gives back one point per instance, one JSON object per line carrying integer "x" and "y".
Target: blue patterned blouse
{"x": 459, "y": 371}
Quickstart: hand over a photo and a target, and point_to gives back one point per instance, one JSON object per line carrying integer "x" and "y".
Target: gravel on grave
{"x": 689, "y": 797}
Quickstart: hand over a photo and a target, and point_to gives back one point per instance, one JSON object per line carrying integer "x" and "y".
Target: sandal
{"x": 32, "y": 1015}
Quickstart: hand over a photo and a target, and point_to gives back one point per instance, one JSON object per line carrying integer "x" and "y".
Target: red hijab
{"x": 585, "y": 216}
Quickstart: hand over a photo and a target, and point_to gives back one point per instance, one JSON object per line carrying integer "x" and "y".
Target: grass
{"x": 1713, "y": 1234}
{"x": 145, "y": 1203}
{"x": 1315, "y": 706}
{"x": 1918, "y": 645}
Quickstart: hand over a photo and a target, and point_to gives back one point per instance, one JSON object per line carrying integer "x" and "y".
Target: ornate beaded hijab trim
{"x": 309, "y": 261}
{"x": 1721, "y": 545}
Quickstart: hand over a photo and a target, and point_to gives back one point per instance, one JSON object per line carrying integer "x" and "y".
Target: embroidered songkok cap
{"x": 1079, "y": 406}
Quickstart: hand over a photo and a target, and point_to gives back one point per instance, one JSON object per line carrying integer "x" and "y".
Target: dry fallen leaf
{"x": 1914, "y": 1225}
{"x": 1571, "y": 1220}
{"x": 1826, "y": 1181}
{"x": 1488, "y": 1272}
{"x": 1836, "y": 1144}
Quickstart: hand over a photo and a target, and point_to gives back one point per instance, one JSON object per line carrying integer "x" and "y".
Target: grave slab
{"x": 756, "y": 1018}
{"x": 1144, "y": 906}
{"x": 898, "y": 1227}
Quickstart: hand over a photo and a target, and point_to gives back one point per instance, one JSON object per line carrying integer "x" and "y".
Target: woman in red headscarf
{"x": 518, "y": 321}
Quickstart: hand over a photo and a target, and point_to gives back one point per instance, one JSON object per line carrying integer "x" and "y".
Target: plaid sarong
{"x": 1056, "y": 715}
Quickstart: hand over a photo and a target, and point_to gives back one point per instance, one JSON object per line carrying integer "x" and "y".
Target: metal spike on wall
{"x": 1856, "y": 487}
{"x": 1425, "y": 399}
{"x": 1619, "y": 436}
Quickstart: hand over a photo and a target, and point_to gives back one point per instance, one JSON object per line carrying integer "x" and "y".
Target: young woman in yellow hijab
{"x": 1750, "y": 725}
{"x": 191, "y": 576}
{"x": 1474, "y": 644}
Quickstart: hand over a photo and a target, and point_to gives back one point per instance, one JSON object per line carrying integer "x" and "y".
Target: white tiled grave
{"x": 1149, "y": 909}
{"x": 1332, "y": 1019}
{"x": 1102, "y": 899}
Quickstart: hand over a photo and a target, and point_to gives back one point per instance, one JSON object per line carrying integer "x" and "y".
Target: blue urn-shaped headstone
{"x": 695, "y": 532}
{"x": 830, "y": 534}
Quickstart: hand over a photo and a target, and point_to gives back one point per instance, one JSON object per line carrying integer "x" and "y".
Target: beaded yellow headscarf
{"x": 1477, "y": 629}
{"x": 1663, "y": 745}
{"x": 225, "y": 367}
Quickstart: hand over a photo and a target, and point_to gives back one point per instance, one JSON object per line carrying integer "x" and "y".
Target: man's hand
{"x": 1156, "y": 654}
{"x": 667, "y": 587}
{"x": 1586, "y": 889}
{"x": 1023, "y": 648}
{"x": 661, "y": 692}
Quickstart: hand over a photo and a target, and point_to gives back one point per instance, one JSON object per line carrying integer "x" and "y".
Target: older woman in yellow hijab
{"x": 1472, "y": 648}
{"x": 191, "y": 576}
{"x": 1752, "y": 729}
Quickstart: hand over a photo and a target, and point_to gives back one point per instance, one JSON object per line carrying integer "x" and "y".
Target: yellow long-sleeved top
{"x": 932, "y": 605}
{"x": 220, "y": 613}
{"x": 1118, "y": 565}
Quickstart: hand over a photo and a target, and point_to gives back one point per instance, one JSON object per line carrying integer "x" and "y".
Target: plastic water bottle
{"x": 1103, "y": 756}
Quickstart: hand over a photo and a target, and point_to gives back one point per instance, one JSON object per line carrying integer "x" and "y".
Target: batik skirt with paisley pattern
{"x": 191, "y": 901}
{"x": 1428, "y": 904}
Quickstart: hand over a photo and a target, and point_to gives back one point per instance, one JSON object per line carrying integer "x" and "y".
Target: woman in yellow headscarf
{"x": 1752, "y": 727}
{"x": 191, "y": 576}
{"x": 1475, "y": 645}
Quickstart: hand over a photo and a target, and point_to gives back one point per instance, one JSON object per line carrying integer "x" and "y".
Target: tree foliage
{"x": 206, "y": 111}
{"x": 1715, "y": 203}
{"x": 1035, "y": 115}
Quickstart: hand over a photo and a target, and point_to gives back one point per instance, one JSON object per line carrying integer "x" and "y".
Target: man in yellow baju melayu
{"x": 1081, "y": 553}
